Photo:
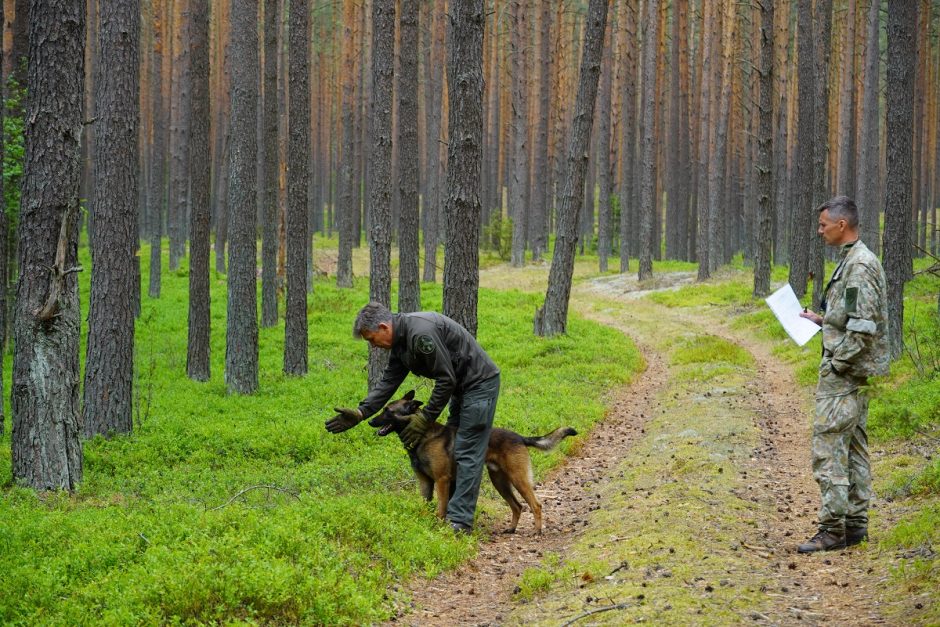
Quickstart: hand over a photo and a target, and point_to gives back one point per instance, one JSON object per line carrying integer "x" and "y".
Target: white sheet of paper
{"x": 787, "y": 308}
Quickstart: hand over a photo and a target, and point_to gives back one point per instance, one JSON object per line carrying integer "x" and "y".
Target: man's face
{"x": 832, "y": 231}
{"x": 381, "y": 337}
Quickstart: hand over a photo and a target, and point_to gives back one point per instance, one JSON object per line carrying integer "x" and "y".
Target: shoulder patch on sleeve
{"x": 851, "y": 299}
{"x": 424, "y": 344}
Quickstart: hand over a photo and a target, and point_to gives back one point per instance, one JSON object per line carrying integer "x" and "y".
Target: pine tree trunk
{"x": 765, "y": 206}
{"x": 109, "y": 365}
{"x": 197, "y": 354}
{"x": 541, "y": 183}
{"x": 604, "y": 175}
{"x": 269, "y": 168}
{"x": 345, "y": 218}
{"x": 648, "y": 201}
{"x": 179, "y": 137}
{"x": 432, "y": 203}
{"x": 782, "y": 210}
{"x": 409, "y": 289}
{"x": 902, "y": 25}
{"x": 705, "y": 126}
{"x": 241, "y": 338}
{"x": 158, "y": 152}
{"x": 47, "y": 451}
{"x": 820, "y": 140}
{"x": 552, "y": 317}
{"x": 380, "y": 233}
{"x": 628, "y": 129}
{"x": 295, "y": 316}
{"x": 4, "y": 233}
{"x": 846, "y": 183}
{"x": 464, "y": 158}
{"x": 520, "y": 123}
{"x": 87, "y": 189}
{"x": 801, "y": 228}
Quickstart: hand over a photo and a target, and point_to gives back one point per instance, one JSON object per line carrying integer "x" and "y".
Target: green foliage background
{"x": 154, "y": 534}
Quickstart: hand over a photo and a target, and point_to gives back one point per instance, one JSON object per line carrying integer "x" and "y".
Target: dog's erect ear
{"x": 409, "y": 396}
{"x": 415, "y": 405}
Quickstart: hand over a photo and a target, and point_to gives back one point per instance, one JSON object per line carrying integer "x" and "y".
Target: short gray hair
{"x": 841, "y": 208}
{"x": 370, "y": 317}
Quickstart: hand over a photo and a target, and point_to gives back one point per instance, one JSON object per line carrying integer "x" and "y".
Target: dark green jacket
{"x": 433, "y": 346}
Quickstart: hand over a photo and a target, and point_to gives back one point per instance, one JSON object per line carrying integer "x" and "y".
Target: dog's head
{"x": 395, "y": 415}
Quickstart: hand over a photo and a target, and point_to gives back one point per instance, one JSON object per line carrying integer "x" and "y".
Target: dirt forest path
{"x": 683, "y": 506}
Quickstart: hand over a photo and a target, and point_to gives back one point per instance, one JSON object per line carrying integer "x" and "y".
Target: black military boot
{"x": 855, "y": 535}
{"x": 826, "y": 540}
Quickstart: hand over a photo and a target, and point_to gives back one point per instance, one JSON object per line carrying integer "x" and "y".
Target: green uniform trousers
{"x": 841, "y": 464}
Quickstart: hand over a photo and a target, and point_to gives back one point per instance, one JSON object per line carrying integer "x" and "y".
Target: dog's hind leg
{"x": 442, "y": 491}
{"x": 501, "y": 483}
{"x": 522, "y": 481}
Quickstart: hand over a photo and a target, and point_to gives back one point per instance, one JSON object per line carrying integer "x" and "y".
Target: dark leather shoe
{"x": 855, "y": 535}
{"x": 461, "y": 528}
{"x": 823, "y": 541}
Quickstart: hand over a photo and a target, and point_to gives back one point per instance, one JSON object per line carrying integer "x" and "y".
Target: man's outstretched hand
{"x": 413, "y": 433}
{"x": 344, "y": 419}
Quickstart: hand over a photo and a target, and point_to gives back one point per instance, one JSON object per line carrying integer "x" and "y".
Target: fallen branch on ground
{"x": 618, "y": 606}
{"x": 249, "y": 489}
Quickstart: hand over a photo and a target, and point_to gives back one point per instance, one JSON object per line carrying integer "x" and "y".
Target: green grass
{"x": 154, "y": 535}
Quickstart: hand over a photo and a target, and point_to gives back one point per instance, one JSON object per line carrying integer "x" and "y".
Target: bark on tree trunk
{"x": 346, "y": 220}
{"x": 552, "y": 317}
{"x": 846, "y": 183}
{"x": 432, "y": 202}
{"x": 801, "y": 229}
{"x": 158, "y": 155}
{"x": 464, "y": 158}
{"x": 823, "y": 17}
{"x": 648, "y": 202}
{"x": 628, "y": 130}
{"x": 541, "y": 192}
{"x": 109, "y": 365}
{"x": 380, "y": 233}
{"x": 4, "y": 233}
{"x": 241, "y": 338}
{"x": 179, "y": 137}
{"x": 409, "y": 289}
{"x": 47, "y": 452}
{"x": 765, "y": 206}
{"x": 520, "y": 123}
{"x": 604, "y": 175}
{"x": 295, "y": 316}
{"x": 902, "y": 24}
{"x": 704, "y": 130}
{"x": 269, "y": 167}
{"x": 197, "y": 354}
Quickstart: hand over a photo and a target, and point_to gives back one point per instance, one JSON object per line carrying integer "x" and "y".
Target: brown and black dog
{"x": 507, "y": 459}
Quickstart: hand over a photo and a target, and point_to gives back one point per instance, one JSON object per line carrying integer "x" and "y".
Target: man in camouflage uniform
{"x": 855, "y": 347}
{"x": 431, "y": 345}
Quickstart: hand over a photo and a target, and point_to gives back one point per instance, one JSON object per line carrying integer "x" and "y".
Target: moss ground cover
{"x": 904, "y": 421}
{"x": 223, "y": 508}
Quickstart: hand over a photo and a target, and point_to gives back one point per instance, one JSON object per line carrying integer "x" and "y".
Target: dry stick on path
{"x": 618, "y": 606}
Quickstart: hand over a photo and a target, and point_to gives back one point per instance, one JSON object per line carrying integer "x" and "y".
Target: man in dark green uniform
{"x": 431, "y": 345}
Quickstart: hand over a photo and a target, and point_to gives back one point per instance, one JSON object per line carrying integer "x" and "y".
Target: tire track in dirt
{"x": 835, "y": 587}
{"x": 480, "y": 591}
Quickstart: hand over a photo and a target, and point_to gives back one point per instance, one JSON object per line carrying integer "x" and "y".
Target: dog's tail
{"x": 549, "y": 441}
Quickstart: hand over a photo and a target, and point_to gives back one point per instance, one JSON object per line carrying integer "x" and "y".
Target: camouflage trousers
{"x": 841, "y": 465}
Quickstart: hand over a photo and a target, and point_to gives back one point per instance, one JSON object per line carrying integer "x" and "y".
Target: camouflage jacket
{"x": 855, "y": 322}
